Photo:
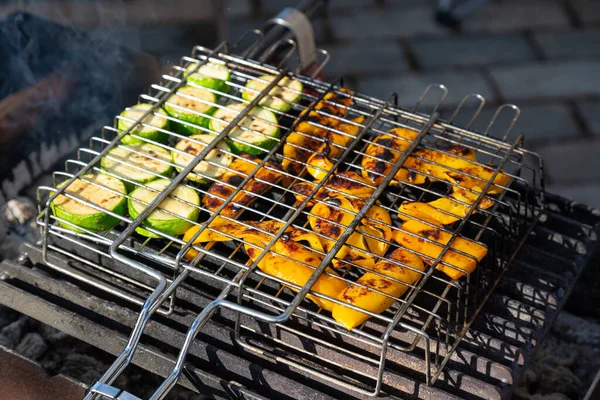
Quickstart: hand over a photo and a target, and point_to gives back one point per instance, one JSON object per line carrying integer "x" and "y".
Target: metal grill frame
{"x": 165, "y": 288}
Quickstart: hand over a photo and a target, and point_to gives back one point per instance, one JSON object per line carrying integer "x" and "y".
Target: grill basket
{"x": 275, "y": 318}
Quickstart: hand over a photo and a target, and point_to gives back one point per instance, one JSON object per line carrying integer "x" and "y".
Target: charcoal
{"x": 552, "y": 396}
{"x": 51, "y": 334}
{"x": 7, "y": 315}
{"x": 83, "y": 368}
{"x": 11, "y": 334}
{"x": 33, "y": 346}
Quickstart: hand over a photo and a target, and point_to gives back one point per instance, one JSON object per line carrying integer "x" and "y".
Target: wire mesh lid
{"x": 310, "y": 206}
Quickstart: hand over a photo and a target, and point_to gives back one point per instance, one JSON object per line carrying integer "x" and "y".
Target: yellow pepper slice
{"x": 431, "y": 251}
{"x": 283, "y": 266}
{"x": 454, "y": 210}
{"x": 277, "y": 265}
{"x": 372, "y": 300}
{"x": 382, "y": 154}
{"x": 329, "y": 217}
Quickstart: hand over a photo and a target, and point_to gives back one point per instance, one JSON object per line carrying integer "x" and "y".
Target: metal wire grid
{"x": 380, "y": 116}
{"x": 453, "y": 294}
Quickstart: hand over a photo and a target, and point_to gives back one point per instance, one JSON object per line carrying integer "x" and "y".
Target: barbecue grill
{"x": 235, "y": 331}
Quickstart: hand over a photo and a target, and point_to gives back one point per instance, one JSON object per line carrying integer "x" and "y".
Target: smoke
{"x": 67, "y": 68}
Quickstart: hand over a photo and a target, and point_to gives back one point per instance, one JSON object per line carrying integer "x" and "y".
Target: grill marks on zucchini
{"x": 140, "y": 163}
{"x": 210, "y": 75}
{"x": 192, "y": 105}
{"x": 181, "y": 205}
{"x": 244, "y": 165}
{"x": 281, "y": 98}
{"x": 102, "y": 190}
{"x": 214, "y": 164}
{"x": 158, "y": 120}
{"x": 256, "y": 132}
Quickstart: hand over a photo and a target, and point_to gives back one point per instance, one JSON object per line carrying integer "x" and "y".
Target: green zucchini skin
{"x": 217, "y": 155}
{"x": 94, "y": 221}
{"x": 139, "y": 176}
{"x": 259, "y": 143}
{"x": 274, "y": 99}
{"x": 184, "y": 115}
{"x": 213, "y": 76}
{"x": 170, "y": 225}
{"x": 155, "y": 135}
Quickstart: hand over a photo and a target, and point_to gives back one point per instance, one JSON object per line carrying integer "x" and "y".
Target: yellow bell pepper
{"x": 346, "y": 182}
{"x": 307, "y": 138}
{"x": 484, "y": 174}
{"x": 318, "y": 165}
{"x": 382, "y": 154}
{"x": 444, "y": 161}
{"x": 373, "y": 300}
{"x": 283, "y": 266}
{"x": 474, "y": 251}
{"x": 286, "y": 269}
{"x": 263, "y": 180}
{"x": 220, "y": 227}
{"x": 331, "y": 216}
{"x": 454, "y": 210}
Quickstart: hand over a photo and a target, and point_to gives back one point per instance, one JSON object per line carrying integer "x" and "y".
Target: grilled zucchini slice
{"x": 259, "y": 135}
{"x": 106, "y": 192}
{"x": 192, "y": 109}
{"x": 281, "y": 98}
{"x": 211, "y": 75}
{"x": 140, "y": 163}
{"x": 218, "y": 156}
{"x": 158, "y": 120}
{"x": 181, "y": 202}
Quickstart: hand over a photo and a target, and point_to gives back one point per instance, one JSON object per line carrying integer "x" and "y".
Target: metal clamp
{"x": 111, "y": 392}
{"x": 299, "y": 25}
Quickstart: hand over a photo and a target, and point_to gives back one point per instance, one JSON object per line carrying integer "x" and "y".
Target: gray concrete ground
{"x": 542, "y": 55}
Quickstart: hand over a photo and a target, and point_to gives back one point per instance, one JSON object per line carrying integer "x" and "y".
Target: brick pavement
{"x": 543, "y": 55}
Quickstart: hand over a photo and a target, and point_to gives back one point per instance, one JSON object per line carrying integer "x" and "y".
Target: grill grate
{"x": 429, "y": 319}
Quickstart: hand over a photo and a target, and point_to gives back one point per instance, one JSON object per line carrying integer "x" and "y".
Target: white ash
{"x": 566, "y": 363}
{"x": 17, "y": 225}
{"x": 19, "y": 211}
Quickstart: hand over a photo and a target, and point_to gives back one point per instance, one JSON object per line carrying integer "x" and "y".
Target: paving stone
{"x": 273, "y": 6}
{"x": 237, "y": 8}
{"x": 587, "y": 11}
{"x": 346, "y": 6}
{"x": 591, "y": 114}
{"x": 469, "y": 51}
{"x": 572, "y": 162}
{"x": 356, "y": 59}
{"x": 381, "y": 23}
{"x": 550, "y": 79}
{"x": 588, "y": 193}
{"x": 410, "y": 86}
{"x": 235, "y": 29}
{"x": 538, "y": 122}
{"x": 350, "y": 5}
{"x": 570, "y": 44}
{"x": 516, "y": 15}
